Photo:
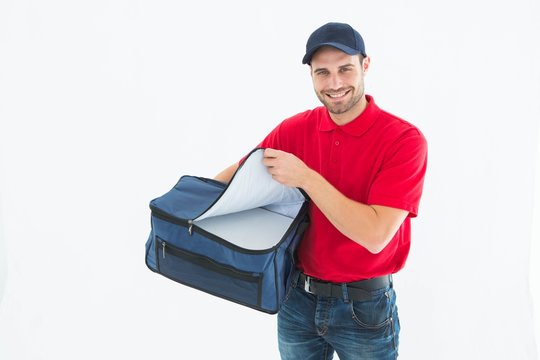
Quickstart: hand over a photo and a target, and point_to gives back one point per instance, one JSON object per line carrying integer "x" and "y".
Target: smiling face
{"x": 338, "y": 80}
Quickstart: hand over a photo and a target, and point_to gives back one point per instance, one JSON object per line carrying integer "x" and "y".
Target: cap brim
{"x": 344, "y": 48}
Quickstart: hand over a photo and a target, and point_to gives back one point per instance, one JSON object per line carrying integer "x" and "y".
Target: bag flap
{"x": 252, "y": 187}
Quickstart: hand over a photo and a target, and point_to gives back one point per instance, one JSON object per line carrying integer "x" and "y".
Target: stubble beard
{"x": 338, "y": 109}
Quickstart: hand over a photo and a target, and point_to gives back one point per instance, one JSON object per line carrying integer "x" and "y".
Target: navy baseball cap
{"x": 338, "y": 35}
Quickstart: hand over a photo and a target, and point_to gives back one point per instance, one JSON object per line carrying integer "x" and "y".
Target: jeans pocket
{"x": 291, "y": 285}
{"x": 375, "y": 313}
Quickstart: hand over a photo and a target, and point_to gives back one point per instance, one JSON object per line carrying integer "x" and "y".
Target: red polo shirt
{"x": 376, "y": 159}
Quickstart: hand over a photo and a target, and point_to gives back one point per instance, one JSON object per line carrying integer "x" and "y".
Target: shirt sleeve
{"x": 400, "y": 180}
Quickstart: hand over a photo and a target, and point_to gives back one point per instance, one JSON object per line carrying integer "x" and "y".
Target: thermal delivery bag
{"x": 234, "y": 241}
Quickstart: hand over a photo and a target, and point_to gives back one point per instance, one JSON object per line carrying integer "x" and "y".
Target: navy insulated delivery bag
{"x": 235, "y": 241}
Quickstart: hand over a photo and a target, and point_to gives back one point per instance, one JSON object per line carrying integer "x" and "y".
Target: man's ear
{"x": 365, "y": 64}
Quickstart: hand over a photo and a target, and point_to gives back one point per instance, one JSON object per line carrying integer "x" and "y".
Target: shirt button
{"x": 337, "y": 143}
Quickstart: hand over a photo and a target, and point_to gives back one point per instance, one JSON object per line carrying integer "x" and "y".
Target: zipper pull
{"x": 190, "y": 228}
{"x": 163, "y": 244}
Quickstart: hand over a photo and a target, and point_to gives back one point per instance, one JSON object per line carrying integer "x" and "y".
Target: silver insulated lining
{"x": 255, "y": 211}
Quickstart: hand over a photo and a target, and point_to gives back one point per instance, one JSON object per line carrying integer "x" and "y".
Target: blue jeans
{"x": 312, "y": 327}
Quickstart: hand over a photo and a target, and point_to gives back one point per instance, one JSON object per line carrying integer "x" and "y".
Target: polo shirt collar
{"x": 356, "y": 127}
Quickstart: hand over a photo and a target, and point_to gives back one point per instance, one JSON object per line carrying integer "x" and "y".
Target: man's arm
{"x": 372, "y": 226}
{"x": 226, "y": 175}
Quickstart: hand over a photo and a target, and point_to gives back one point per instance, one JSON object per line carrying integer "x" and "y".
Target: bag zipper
{"x": 207, "y": 262}
{"x": 192, "y": 227}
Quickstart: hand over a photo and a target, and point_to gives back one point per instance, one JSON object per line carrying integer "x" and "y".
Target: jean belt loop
{"x": 391, "y": 281}
{"x": 345, "y": 293}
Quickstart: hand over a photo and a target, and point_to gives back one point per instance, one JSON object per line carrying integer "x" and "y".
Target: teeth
{"x": 337, "y": 95}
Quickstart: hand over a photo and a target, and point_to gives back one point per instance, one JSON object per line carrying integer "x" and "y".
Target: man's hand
{"x": 286, "y": 168}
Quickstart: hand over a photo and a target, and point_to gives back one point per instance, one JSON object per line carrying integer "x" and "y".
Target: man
{"x": 363, "y": 169}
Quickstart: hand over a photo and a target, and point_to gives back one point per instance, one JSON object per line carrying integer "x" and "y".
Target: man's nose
{"x": 335, "y": 81}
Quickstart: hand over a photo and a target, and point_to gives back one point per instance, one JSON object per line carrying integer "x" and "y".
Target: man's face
{"x": 338, "y": 80}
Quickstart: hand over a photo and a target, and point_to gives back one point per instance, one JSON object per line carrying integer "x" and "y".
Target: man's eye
{"x": 322, "y": 73}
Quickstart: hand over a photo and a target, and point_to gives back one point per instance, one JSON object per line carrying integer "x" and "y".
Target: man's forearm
{"x": 370, "y": 226}
{"x": 226, "y": 175}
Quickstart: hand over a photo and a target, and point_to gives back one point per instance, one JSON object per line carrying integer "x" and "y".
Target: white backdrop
{"x": 105, "y": 104}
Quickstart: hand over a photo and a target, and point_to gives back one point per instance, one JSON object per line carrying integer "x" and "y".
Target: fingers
{"x": 271, "y": 153}
{"x": 270, "y": 157}
{"x": 275, "y": 174}
{"x": 269, "y": 162}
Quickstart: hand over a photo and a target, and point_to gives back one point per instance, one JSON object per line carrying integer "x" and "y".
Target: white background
{"x": 105, "y": 104}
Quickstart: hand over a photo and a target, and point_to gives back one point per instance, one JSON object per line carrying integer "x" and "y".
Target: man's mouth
{"x": 338, "y": 95}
